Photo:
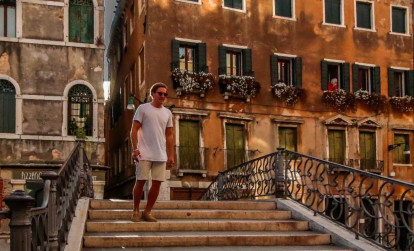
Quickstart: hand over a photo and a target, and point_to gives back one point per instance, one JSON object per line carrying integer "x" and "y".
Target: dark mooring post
{"x": 20, "y": 204}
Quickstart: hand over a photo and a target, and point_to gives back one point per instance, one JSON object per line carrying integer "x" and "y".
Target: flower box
{"x": 339, "y": 99}
{"x": 191, "y": 82}
{"x": 374, "y": 100}
{"x": 402, "y": 104}
{"x": 289, "y": 94}
{"x": 244, "y": 87}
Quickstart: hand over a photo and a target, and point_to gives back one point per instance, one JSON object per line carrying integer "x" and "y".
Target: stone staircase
{"x": 200, "y": 225}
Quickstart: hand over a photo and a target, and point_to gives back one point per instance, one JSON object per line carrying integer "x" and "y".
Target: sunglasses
{"x": 162, "y": 94}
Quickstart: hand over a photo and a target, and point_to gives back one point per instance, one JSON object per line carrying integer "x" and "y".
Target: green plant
{"x": 80, "y": 133}
{"x": 339, "y": 99}
{"x": 287, "y": 93}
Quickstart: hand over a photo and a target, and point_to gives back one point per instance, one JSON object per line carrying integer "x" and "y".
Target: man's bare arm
{"x": 136, "y": 125}
{"x": 170, "y": 146}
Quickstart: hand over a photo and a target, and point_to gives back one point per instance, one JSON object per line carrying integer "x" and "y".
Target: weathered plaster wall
{"x": 42, "y": 21}
{"x": 42, "y": 117}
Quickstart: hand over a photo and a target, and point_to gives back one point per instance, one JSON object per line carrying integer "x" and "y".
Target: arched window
{"x": 80, "y": 110}
{"x": 81, "y": 21}
{"x": 7, "y": 18}
{"x": 7, "y": 107}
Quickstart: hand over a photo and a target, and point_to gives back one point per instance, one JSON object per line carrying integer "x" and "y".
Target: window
{"x": 80, "y": 110}
{"x": 333, "y": 12}
{"x": 187, "y": 58}
{"x": 190, "y": 56}
{"x": 7, "y": 107}
{"x": 336, "y": 140}
{"x": 399, "y": 20}
{"x": 8, "y": 18}
{"x": 367, "y": 150}
{"x": 235, "y": 149}
{"x": 288, "y": 138}
{"x": 399, "y": 156}
{"x": 366, "y": 78}
{"x": 234, "y": 4}
{"x": 334, "y": 75}
{"x": 284, "y": 8}
{"x": 81, "y": 17}
{"x": 189, "y": 149}
{"x": 364, "y": 15}
{"x": 235, "y": 61}
{"x": 287, "y": 70}
{"x": 400, "y": 82}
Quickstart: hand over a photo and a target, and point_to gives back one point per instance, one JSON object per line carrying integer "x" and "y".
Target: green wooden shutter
{"x": 189, "y": 150}
{"x": 333, "y": 11}
{"x": 284, "y": 8}
{"x": 87, "y": 33}
{"x": 273, "y": 69}
{"x": 202, "y": 61}
{"x": 398, "y": 20}
{"x": 222, "y": 59}
{"x": 367, "y": 150}
{"x": 399, "y": 156}
{"x": 247, "y": 62}
{"x": 297, "y": 76}
{"x": 376, "y": 87}
{"x": 75, "y": 13}
{"x": 324, "y": 75}
{"x": 235, "y": 145}
{"x": 175, "y": 54}
{"x": 7, "y": 112}
{"x": 391, "y": 87}
{"x": 228, "y": 3}
{"x": 345, "y": 77}
{"x": 363, "y": 15}
{"x": 355, "y": 78}
{"x": 287, "y": 138}
{"x": 410, "y": 84}
{"x": 336, "y": 146}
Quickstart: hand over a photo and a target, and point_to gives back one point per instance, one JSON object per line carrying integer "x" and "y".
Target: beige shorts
{"x": 144, "y": 167}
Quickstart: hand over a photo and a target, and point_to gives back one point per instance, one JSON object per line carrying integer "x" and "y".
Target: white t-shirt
{"x": 151, "y": 136}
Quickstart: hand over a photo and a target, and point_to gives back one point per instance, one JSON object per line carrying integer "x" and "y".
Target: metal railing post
{"x": 20, "y": 222}
{"x": 220, "y": 183}
{"x": 52, "y": 211}
{"x": 280, "y": 174}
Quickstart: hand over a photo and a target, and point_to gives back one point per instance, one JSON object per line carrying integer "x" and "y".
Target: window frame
{"x": 239, "y": 63}
{"x": 292, "y": 18}
{"x": 407, "y": 25}
{"x": 370, "y": 68}
{"x": 293, "y": 72}
{"x": 198, "y": 2}
{"x": 187, "y": 47}
{"x": 6, "y": 19}
{"x": 407, "y": 137}
{"x": 373, "y": 28}
{"x": 243, "y": 10}
{"x": 342, "y": 24}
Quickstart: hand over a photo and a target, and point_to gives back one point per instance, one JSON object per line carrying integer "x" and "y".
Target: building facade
{"x": 51, "y": 73}
{"x": 332, "y": 79}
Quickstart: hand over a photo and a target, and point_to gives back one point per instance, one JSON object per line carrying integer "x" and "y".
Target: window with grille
{"x": 8, "y": 18}
{"x": 7, "y": 107}
{"x": 80, "y": 110}
{"x": 81, "y": 21}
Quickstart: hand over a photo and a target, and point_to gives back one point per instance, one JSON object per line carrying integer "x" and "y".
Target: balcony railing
{"x": 191, "y": 160}
{"x": 372, "y": 206}
{"x": 371, "y": 165}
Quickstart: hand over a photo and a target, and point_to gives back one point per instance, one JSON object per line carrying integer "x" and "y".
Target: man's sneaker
{"x": 136, "y": 216}
{"x": 148, "y": 217}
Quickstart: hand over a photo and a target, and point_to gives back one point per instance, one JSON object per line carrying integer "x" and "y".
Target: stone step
{"x": 197, "y": 225}
{"x": 185, "y": 204}
{"x": 124, "y": 214}
{"x": 225, "y": 238}
{"x": 229, "y": 248}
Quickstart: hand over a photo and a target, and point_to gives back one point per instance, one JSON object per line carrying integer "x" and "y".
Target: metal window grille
{"x": 80, "y": 109}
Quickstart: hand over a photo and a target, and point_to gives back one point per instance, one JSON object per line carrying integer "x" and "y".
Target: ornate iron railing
{"x": 372, "y": 206}
{"x": 46, "y": 227}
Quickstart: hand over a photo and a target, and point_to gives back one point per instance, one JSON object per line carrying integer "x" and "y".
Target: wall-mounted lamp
{"x": 131, "y": 105}
{"x": 406, "y": 147}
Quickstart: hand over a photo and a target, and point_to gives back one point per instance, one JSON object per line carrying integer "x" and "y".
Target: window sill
{"x": 402, "y": 165}
{"x": 285, "y": 18}
{"x": 228, "y": 95}
{"x": 180, "y": 91}
{"x": 233, "y": 9}
{"x": 399, "y": 34}
{"x": 191, "y": 2}
{"x": 334, "y": 25}
{"x": 365, "y": 29}
{"x": 192, "y": 171}
{"x": 9, "y": 39}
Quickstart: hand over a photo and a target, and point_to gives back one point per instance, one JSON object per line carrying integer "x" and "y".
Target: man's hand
{"x": 136, "y": 156}
{"x": 170, "y": 163}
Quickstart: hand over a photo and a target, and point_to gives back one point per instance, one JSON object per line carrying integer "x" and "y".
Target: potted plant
{"x": 287, "y": 93}
{"x": 402, "y": 104}
{"x": 191, "y": 82}
{"x": 239, "y": 86}
{"x": 374, "y": 100}
{"x": 339, "y": 99}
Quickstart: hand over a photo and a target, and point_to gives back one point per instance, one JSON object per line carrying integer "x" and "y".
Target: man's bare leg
{"x": 137, "y": 195}
{"x": 152, "y": 197}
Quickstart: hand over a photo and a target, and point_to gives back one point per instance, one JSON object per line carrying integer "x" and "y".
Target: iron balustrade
{"x": 46, "y": 227}
{"x": 375, "y": 207}
{"x": 371, "y": 165}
